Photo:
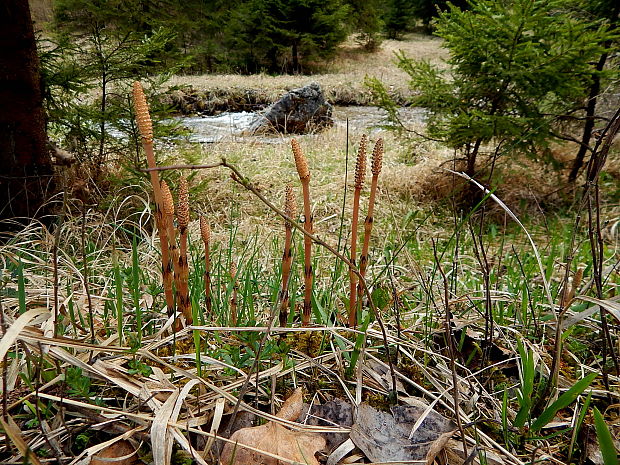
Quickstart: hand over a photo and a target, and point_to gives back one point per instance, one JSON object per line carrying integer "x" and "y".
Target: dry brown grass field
{"x": 342, "y": 77}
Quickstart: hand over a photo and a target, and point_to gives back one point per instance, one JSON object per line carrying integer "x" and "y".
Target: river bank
{"x": 342, "y": 80}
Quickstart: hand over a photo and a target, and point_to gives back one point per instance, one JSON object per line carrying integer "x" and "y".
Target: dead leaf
{"x": 274, "y": 439}
{"x": 336, "y": 412}
{"x": 384, "y": 437}
{"x": 120, "y": 453}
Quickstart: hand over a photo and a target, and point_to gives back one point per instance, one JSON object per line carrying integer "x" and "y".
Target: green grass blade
{"x": 605, "y": 441}
{"x": 577, "y": 428}
{"x": 563, "y": 401}
{"x": 527, "y": 386}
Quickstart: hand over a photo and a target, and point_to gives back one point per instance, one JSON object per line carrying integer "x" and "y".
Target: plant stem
{"x": 304, "y": 176}
{"x": 377, "y": 159}
{"x": 145, "y": 126}
{"x": 360, "y": 173}
{"x": 287, "y": 257}
{"x": 205, "y": 232}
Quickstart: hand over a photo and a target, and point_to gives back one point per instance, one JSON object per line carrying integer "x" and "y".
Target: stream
{"x": 231, "y": 126}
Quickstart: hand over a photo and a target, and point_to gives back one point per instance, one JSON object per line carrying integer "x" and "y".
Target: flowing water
{"x": 232, "y": 126}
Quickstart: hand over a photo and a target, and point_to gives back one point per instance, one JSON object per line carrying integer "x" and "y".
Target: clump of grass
{"x": 360, "y": 174}
{"x": 290, "y": 208}
{"x": 304, "y": 176}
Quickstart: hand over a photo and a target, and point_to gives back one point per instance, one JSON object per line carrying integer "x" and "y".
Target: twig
{"x": 152, "y": 169}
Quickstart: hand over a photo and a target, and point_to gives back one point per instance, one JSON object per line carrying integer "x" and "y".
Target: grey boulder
{"x": 299, "y": 111}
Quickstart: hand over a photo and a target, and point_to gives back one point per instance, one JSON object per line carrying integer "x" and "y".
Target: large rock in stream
{"x": 299, "y": 111}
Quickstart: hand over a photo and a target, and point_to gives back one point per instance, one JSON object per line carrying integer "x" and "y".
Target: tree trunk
{"x": 26, "y": 175}
{"x": 295, "y": 58}
{"x": 595, "y": 89}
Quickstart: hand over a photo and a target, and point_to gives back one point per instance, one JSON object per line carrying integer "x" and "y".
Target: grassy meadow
{"x": 492, "y": 322}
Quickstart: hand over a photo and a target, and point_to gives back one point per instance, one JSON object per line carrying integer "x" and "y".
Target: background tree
{"x": 286, "y": 35}
{"x": 114, "y": 43}
{"x": 608, "y": 11}
{"x": 517, "y": 68}
{"x": 427, "y": 10}
{"x": 26, "y": 166}
{"x": 368, "y": 24}
{"x": 398, "y": 18}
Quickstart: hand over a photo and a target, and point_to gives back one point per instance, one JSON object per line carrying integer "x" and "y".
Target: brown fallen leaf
{"x": 120, "y": 453}
{"x": 274, "y": 438}
{"x": 387, "y": 437}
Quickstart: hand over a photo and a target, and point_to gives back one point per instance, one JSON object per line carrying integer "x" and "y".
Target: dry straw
{"x": 360, "y": 174}
{"x": 205, "y": 233}
{"x": 304, "y": 176}
{"x": 290, "y": 208}
{"x": 145, "y": 126}
{"x": 377, "y": 161}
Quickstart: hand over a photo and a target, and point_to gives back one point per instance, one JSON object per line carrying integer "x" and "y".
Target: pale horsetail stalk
{"x": 168, "y": 222}
{"x": 205, "y": 233}
{"x": 304, "y": 176}
{"x": 377, "y": 160}
{"x": 183, "y": 221}
{"x": 360, "y": 174}
{"x": 145, "y": 126}
{"x": 290, "y": 208}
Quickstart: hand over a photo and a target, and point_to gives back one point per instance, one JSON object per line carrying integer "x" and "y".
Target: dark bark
{"x": 26, "y": 170}
{"x": 296, "y": 68}
{"x": 595, "y": 89}
{"x": 588, "y": 127}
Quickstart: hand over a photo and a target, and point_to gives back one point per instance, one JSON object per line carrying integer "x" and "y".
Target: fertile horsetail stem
{"x": 304, "y": 176}
{"x": 145, "y": 126}
{"x": 168, "y": 223}
{"x": 360, "y": 174}
{"x": 377, "y": 160}
{"x": 290, "y": 208}
{"x": 183, "y": 222}
{"x": 205, "y": 233}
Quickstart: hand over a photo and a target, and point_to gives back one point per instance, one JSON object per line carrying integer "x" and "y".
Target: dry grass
{"x": 343, "y": 78}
